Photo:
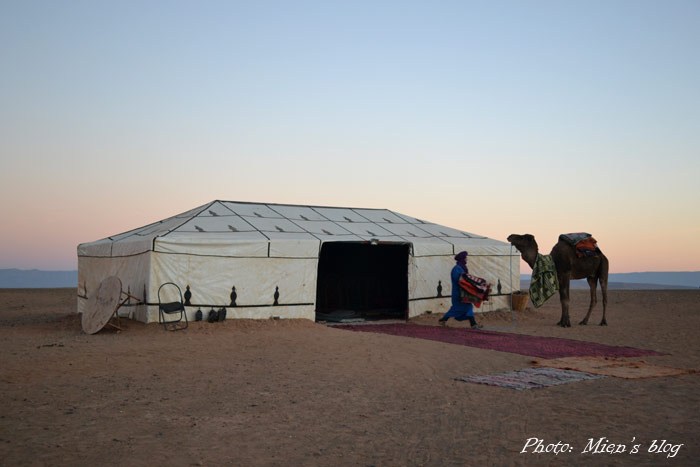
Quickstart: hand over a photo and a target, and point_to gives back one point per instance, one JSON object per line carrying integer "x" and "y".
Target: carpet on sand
{"x": 533, "y": 346}
{"x": 611, "y": 366}
{"x": 530, "y": 378}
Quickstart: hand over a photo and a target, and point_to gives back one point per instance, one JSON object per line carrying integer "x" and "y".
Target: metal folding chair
{"x": 172, "y": 314}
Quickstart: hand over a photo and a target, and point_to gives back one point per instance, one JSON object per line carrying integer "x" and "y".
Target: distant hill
{"x": 679, "y": 279}
{"x": 36, "y": 279}
{"x": 639, "y": 281}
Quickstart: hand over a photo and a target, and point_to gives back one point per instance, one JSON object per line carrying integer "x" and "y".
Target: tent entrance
{"x": 362, "y": 281}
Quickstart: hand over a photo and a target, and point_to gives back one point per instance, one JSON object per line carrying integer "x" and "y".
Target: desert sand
{"x": 259, "y": 393}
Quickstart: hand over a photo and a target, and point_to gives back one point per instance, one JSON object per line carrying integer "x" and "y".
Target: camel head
{"x": 524, "y": 241}
{"x": 526, "y": 245}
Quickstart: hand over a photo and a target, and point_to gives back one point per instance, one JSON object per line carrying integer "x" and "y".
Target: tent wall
{"x": 133, "y": 271}
{"x": 211, "y": 281}
{"x": 426, "y": 273}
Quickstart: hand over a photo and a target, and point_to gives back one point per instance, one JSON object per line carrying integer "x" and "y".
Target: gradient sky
{"x": 494, "y": 117}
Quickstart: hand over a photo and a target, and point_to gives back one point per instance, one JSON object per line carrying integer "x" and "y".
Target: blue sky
{"x": 493, "y": 117}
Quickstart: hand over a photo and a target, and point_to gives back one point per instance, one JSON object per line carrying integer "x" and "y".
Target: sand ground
{"x": 259, "y": 393}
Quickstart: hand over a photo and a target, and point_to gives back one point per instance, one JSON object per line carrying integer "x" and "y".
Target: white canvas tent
{"x": 262, "y": 260}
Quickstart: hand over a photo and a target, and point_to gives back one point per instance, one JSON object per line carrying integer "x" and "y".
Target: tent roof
{"x": 230, "y": 228}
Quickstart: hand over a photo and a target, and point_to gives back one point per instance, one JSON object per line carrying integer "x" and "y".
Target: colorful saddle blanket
{"x": 473, "y": 289}
{"x": 584, "y": 243}
{"x": 544, "y": 282}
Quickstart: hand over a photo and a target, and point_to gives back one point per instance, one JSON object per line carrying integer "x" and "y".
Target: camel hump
{"x": 574, "y": 238}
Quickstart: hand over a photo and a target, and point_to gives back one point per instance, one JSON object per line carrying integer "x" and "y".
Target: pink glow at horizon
{"x": 51, "y": 244}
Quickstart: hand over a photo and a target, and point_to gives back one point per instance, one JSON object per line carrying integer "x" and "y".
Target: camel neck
{"x": 530, "y": 259}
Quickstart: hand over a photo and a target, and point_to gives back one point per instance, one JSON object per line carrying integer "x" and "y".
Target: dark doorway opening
{"x": 362, "y": 281}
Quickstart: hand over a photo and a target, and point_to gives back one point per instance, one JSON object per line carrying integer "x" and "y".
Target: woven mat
{"x": 530, "y": 378}
{"x": 522, "y": 344}
{"x": 617, "y": 367}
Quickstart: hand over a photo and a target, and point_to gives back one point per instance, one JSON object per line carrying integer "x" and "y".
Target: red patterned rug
{"x": 534, "y": 346}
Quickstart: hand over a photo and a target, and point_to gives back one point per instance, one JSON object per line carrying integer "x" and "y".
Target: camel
{"x": 569, "y": 266}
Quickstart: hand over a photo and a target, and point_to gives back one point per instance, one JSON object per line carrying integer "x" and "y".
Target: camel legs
{"x": 564, "y": 322}
{"x": 592, "y": 283}
{"x": 604, "y": 290}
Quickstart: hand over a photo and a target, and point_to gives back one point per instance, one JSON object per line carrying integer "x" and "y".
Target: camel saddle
{"x": 584, "y": 243}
